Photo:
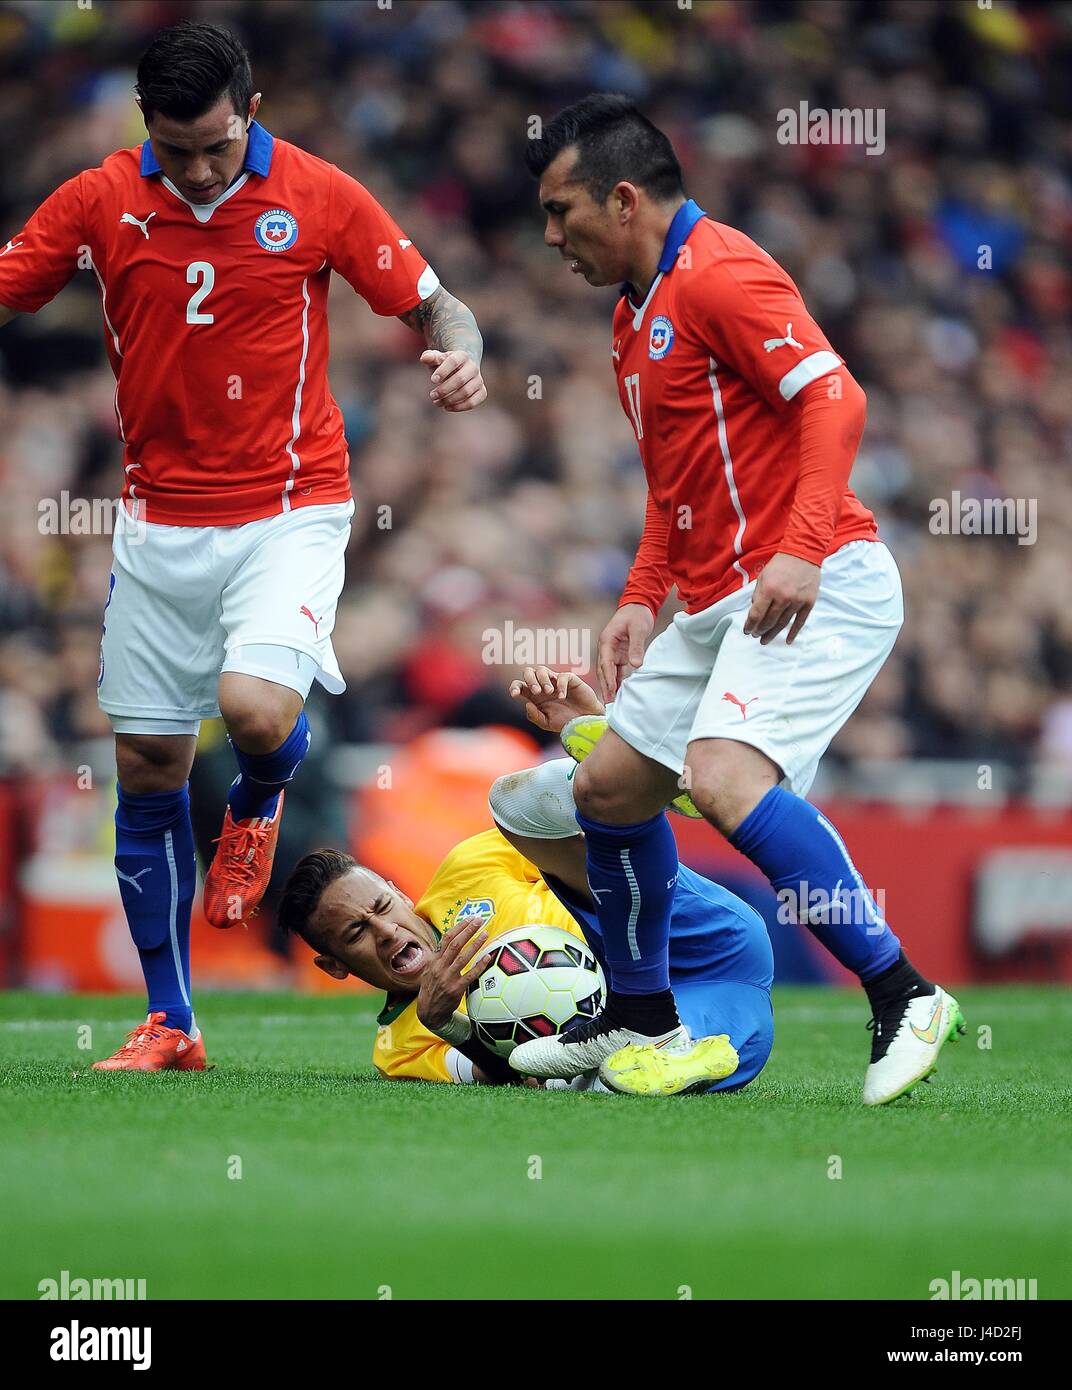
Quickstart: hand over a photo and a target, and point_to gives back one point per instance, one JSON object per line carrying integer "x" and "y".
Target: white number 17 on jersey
{"x": 632, "y": 393}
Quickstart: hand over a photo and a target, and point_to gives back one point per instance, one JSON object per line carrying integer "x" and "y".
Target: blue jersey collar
{"x": 258, "y": 153}
{"x": 686, "y": 217}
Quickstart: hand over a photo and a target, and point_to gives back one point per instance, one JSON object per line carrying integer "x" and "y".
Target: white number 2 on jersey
{"x": 199, "y": 270}
{"x": 632, "y": 393}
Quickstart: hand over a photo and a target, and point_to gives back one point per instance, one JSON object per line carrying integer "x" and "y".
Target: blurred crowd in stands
{"x": 938, "y": 269}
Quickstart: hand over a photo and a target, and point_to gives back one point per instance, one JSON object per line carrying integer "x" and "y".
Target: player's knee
{"x": 719, "y": 806}
{"x": 721, "y": 799}
{"x": 726, "y": 781}
{"x": 258, "y": 727}
{"x": 599, "y": 796}
{"x": 507, "y": 795}
{"x": 149, "y": 763}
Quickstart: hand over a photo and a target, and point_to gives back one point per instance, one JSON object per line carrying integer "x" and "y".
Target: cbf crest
{"x": 473, "y": 910}
{"x": 276, "y": 230}
{"x": 660, "y": 337}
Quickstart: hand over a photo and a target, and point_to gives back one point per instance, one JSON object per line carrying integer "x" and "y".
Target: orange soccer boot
{"x": 152, "y": 1046}
{"x": 239, "y": 874}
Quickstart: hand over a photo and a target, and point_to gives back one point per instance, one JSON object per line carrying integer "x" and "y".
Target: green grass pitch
{"x": 352, "y": 1187}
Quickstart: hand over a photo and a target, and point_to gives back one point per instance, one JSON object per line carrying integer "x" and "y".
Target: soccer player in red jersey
{"x": 212, "y": 245}
{"x": 747, "y": 422}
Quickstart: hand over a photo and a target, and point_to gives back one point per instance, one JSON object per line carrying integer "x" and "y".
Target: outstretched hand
{"x": 553, "y": 698}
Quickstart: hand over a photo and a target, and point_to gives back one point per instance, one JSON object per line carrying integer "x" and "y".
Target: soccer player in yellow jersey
{"x": 416, "y": 952}
{"x": 530, "y": 868}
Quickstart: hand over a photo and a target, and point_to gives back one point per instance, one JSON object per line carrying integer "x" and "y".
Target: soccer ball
{"x": 540, "y": 980}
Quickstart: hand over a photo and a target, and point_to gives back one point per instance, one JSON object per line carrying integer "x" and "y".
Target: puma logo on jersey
{"x": 742, "y": 705}
{"x": 134, "y": 881}
{"x": 404, "y": 241}
{"x": 315, "y": 621}
{"x": 134, "y": 222}
{"x": 787, "y": 341}
{"x": 10, "y": 247}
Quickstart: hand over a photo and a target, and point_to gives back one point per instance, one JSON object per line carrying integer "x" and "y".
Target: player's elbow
{"x": 840, "y": 395}
{"x": 857, "y": 404}
{"x": 853, "y": 397}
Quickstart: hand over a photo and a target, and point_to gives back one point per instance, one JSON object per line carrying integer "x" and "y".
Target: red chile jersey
{"x": 709, "y": 370}
{"x": 215, "y": 320}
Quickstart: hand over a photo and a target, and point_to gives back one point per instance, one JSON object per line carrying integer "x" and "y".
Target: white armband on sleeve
{"x": 460, "y": 1068}
{"x": 537, "y": 803}
{"x": 805, "y": 372}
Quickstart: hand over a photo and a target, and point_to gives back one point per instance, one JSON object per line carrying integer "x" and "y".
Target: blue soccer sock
{"x": 632, "y": 872}
{"x": 154, "y": 862}
{"x": 809, "y": 867}
{"x": 262, "y": 776}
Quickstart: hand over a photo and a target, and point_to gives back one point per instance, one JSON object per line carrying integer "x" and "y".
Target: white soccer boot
{"x": 584, "y": 1047}
{"x": 908, "y": 1036}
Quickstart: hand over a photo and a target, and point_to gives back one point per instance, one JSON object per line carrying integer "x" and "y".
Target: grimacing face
{"x": 367, "y": 927}
{"x": 590, "y": 236}
{"x": 202, "y": 156}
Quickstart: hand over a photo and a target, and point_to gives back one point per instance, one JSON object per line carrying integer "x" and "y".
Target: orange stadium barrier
{"x": 75, "y": 937}
{"x": 433, "y": 793}
{"x": 8, "y": 846}
{"x": 70, "y": 932}
{"x": 974, "y": 895}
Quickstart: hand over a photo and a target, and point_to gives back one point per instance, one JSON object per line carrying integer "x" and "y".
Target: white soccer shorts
{"x": 187, "y": 601}
{"x": 703, "y": 678}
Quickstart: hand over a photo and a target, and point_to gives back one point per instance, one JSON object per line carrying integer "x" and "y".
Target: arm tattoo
{"x": 447, "y": 324}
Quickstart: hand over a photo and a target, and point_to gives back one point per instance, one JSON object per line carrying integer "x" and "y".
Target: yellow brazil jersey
{"x": 483, "y": 877}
